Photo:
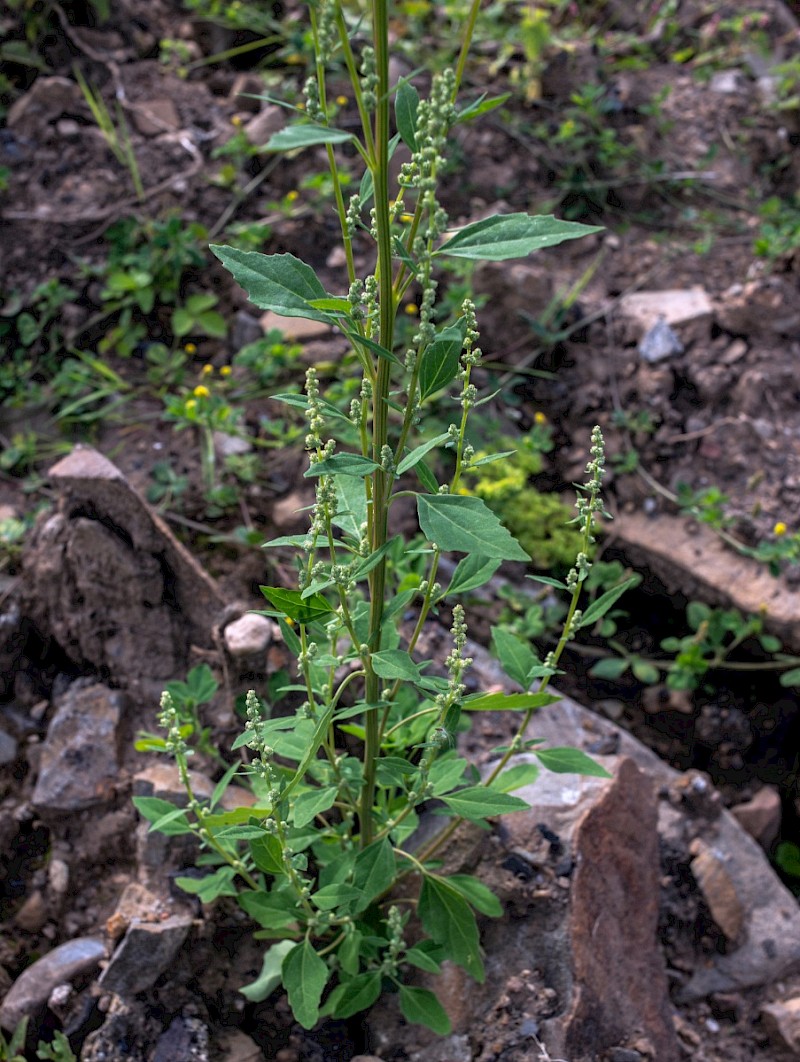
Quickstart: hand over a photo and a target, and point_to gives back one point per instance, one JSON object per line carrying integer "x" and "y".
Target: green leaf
{"x": 374, "y": 871}
{"x": 613, "y": 667}
{"x": 448, "y": 920}
{"x": 446, "y": 773}
{"x": 277, "y": 282}
{"x": 426, "y": 477}
{"x": 292, "y": 604}
{"x": 516, "y": 656}
{"x": 306, "y": 134}
{"x": 419, "y": 452}
{"x": 329, "y": 897}
{"x": 440, "y": 361}
{"x": 304, "y": 976}
{"x": 480, "y": 802}
{"x": 342, "y": 465}
{"x": 374, "y": 559}
{"x": 395, "y": 664}
{"x": 164, "y": 817}
{"x": 548, "y": 581}
{"x": 264, "y": 909}
{"x": 270, "y": 977}
{"x": 349, "y": 953}
{"x": 471, "y": 572}
{"x": 351, "y": 997}
{"x": 466, "y": 525}
{"x": 290, "y": 398}
{"x": 599, "y": 607}
{"x": 210, "y": 887}
{"x": 645, "y": 672}
{"x": 351, "y": 510}
{"x": 406, "y": 103}
{"x": 308, "y": 805}
{"x": 570, "y": 761}
{"x": 480, "y": 106}
{"x": 422, "y": 960}
{"x": 500, "y": 237}
{"x": 223, "y": 784}
{"x": 476, "y": 894}
{"x": 516, "y": 777}
{"x": 507, "y": 702}
{"x": 790, "y": 678}
{"x": 421, "y": 1007}
{"x": 267, "y": 854}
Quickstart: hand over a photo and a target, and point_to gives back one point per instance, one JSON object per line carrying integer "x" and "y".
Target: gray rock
{"x": 144, "y": 954}
{"x": 246, "y": 329}
{"x": 127, "y": 1033}
{"x": 690, "y": 310}
{"x": 109, "y": 582}
{"x": 782, "y": 1022}
{"x": 152, "y": 117}
{"x": 228, "y": 445}
{"x": 235, "y": 1046}
{"x": 8, "y": 748}
{"x": 185, "y": 1039}
{"x": 78, "y": 767}
{"x": 659, "y": 342}
{"x": 761, "y": 815}
{"x": 63, "y": 964}
{"x": 265, "y": 124}
{"x": 46, "y": 100}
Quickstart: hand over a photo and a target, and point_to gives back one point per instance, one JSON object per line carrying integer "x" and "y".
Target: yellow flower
{"x": 291, "y": 196}
{"x": 190, "y": 405}
{"x": 207, "y": 370}
{"x": 226, "y": 370}
{"x": 236, "y": 120}
{"x": 201, "y": 391}
{"x": 780, "y": 528}
{"x": 341, "y": 100}
{"x": 190, "y": 348}
{"x": 539, "y": 418}
{"x": 411, "y": 309}
{"x": 407, "y": 218}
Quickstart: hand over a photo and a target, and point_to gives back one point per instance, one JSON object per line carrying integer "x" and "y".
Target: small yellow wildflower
{"x": 291, "y": 196}
{"x": 226, "y": 370}
{"x": 407, "y": 218}
{"x": 207, "y": 370}
{"x": 201, "y": 391}
{"x": 780, "y": 528}
{"x": 539, "y": 418}
{"x": 190, "y": 348}
{"x": 190, "y": 405}
{"x": 341, "y": 100}
{"x": 411, "y": 309}
{"x": 237, "y": 120}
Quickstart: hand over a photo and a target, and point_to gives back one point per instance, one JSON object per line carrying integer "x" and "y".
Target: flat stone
{"x": 227, "y": 445}
{"x": 63, "y": 964}
{"x": 296, "y": 328}
{"x": 78, "y": 766}
{"x": 727, "y": 82}
{"x": 782, "y": 1022}
{"x": 248, "y": 635}
{"x": 146, "y": 950}
{"x": 761, "y": 815}
{"x": 185, "y": 1039}
{"x": 236, "y": 1046}
{"x": 678, "y": 308}
{"x": 152, "y": 117}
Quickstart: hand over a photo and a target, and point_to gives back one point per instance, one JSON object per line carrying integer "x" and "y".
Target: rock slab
{"x": 79, "y": 761}
{"x": 64, "y": 964}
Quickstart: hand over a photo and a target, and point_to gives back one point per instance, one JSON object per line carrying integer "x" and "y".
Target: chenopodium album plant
{"x": 325, "y": 861}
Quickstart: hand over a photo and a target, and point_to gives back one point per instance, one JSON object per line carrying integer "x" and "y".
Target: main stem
{"x": 380, "y": 408}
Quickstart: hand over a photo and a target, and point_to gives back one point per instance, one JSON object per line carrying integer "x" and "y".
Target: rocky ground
{"x": 643, "y": 919}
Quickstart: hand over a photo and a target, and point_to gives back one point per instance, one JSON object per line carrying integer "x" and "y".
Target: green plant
{"x": 324, "y": 861}
{"x": 187, "y": 698}
{"x": 115, "y": 132}
{"x": 58, "y": 1050}
{"x": 708, "y": 505}
{"x": 779, "y": 229}
{"x": 207, "y": 409}
{"x": 197, "y": 317}
{"x": 11, "y": 1050}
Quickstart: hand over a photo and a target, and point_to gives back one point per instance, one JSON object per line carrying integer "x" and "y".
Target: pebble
{"x": 32, "y": 988}
{"x": 719, "y": 891}
{"x": 782, "y": 1022}
{"x": 8, "y": 748}
{"x": 660, "y": 342}
{"x": 58, "y": 876}
{"x": 761, "y": 815}
{"x": 248, "y": 635}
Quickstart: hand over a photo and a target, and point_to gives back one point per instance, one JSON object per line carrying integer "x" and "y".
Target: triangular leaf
{"x": 570, "y": 761}
{"x": 277, "y": 282}
{"x": 304, "y": 975}
{"x": 466, "y": 525}
{"x": 421, "y": 1007}
{"x": 500, "y": 237}
{"x": 406, "y": 103}
{"x": 306, "y": 135}
{"x": 270, "y": 977}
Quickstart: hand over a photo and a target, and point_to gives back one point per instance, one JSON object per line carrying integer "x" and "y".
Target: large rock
{"x": 79, "y": 766}
{"x": 146, "y": 950}
{"x": 65, "y": 964}
{"x": 109, "y": 582}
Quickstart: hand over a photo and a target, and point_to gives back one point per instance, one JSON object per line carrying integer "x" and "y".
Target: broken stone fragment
{"x": 761, "y": 815}
{"x": 782, "y": 1022}
{"x": 146, "y": 950}
{"x": 719, "y": 890}
{"x": 686, "y": 311}
{"x": 78, "y": 766}
{"x": 64, "y": 964}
